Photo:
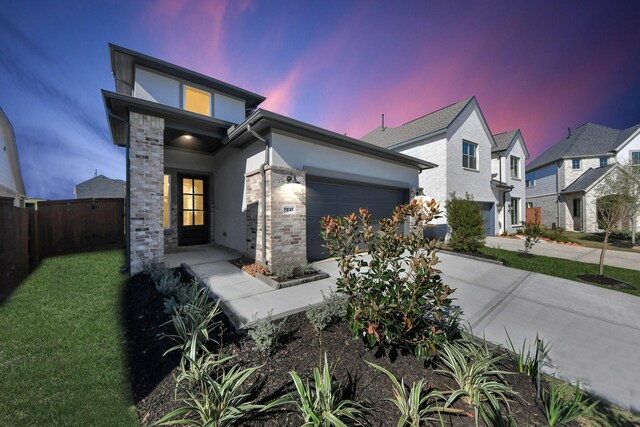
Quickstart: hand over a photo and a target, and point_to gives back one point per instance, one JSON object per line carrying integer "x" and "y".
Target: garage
{"x": 339, "y": 198}
{"x": 489, "y": 218}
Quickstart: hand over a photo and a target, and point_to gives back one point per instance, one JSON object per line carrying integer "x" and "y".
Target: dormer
{"x": 150, "y": 79}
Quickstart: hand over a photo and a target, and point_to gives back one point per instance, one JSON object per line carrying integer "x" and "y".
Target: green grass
{"x": 592, "y": 240}
{"x": 566, "y": 269}
{"x": 61, "y": 347}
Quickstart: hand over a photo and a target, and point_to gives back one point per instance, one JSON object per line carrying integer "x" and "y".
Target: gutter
{"x": 263, "y": 201}
{"x": 127, "y": 206}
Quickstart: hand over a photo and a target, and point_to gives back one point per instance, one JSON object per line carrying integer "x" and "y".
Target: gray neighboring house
{"x": 206, "y": 165}
{"x": 11, "y": 182}
{"x": 470, "y": 160}
{"x": 563, "y": 181}
{"x": 100, "y": 186}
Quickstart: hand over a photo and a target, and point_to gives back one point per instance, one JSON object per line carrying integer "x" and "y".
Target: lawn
{"x": 566, "y": 269}
{"x": 61, "y": 347}
{"x": 592, "y": 240}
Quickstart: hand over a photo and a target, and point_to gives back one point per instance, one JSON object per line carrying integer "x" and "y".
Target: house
{"x": 100, "y": 186}
{"x": 206, "y": 165}
{"x": 11, "y": 182}
{"x": 563, "y": 180}
{"x": 471, "y": 160}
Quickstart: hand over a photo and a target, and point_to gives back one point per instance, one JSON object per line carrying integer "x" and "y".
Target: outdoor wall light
{"x": 291, "y": 179}
{"x": 187, "y": 136}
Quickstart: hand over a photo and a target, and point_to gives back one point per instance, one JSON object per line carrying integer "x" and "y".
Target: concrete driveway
{"x": 594, "y": 333}
{"x": 621, "y": 259}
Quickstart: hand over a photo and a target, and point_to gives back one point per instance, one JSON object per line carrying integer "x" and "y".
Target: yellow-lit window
{"x": 165, "y": 212}
{"x": 197, "y": 101}
{"x": 192, "y": 202}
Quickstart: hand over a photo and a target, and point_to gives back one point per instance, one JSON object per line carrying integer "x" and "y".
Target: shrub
{"x": 285, "y": 272}
{"x": 322, "y": 403}
{"x": 465, "y": 219}
{"x": 333, "y": 308}
{"x": 307, "y": 269}
{"x": 397, "y": 296}
{"x": 559, "y": 410}
{"x": 153, "y": 268}
{"x": 532, "y": 233}
{"x": 265, "y": 334}
{"x": 168, "y": 283}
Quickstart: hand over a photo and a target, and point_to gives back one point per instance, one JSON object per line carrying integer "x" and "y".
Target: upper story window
{"x": 469, "y": 155}
{"x": 515, "y": 167}
{"x": 530, "y": 182}
{"x": 604, "y": 161}
{"x": 635, "y": 158}
{"x": 576, "y": 164}
{"x": 197, "y": 101}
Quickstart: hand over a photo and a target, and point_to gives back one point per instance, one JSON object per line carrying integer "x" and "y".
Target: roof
{"x": 503, "y": 140}
{"x": 100, "y": 186}
{"x": 588, "y": 179}
{"x": 12, "y": 153}
{"x": 123, "y": 60}
{"x": 262, "y": 120}
{"x": 589, "y": 139}
{"x": 425, "y": 125}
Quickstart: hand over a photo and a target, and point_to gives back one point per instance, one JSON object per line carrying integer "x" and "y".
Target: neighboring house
{"x": 100, "y": 186}
{"x": 563, "y": 180}
{"x": 206, "y": 165}
{"x": 470, "y": 161}
{"x": 11, "y": 183}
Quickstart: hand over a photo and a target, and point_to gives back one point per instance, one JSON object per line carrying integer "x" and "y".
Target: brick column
{"x": 146, "y": 170}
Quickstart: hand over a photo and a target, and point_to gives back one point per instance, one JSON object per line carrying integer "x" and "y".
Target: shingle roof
{"x": 503, "y": 140}
{"x": 589, "y": 139}
{"x": 100, "y": 186}
{"x": 587, "y": 179}
{"x": 424, "y": 125}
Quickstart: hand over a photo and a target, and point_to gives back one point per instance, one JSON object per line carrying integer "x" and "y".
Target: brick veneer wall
{"x": 146, "y": 170}
{"x": 254, "y": 223}
{"x": 171, "y": 233}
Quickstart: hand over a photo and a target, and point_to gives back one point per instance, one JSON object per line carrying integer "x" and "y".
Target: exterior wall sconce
{"x": 291, "y": 179}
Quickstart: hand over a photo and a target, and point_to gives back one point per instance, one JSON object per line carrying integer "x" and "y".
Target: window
{"x": 604, "y": 161}
{"x": 515, "y": 167}
{"x": 192, "y": 202}
{"x": 577, "y": 208}
{"x": 529, "y": 205}
{"x": 635, "y": 158}
{"x": 166, "y": 205}
{"x": 469, "y": 155}
{"x": 575, "y": 164}
{"x": 515, "y": 211}
{"x": 197, "y": 101}
{"x": 530, "y": 182}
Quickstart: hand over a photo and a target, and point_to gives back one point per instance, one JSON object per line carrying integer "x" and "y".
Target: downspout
{"x": 127, "y": 205}
{"x": 263, "y": 201}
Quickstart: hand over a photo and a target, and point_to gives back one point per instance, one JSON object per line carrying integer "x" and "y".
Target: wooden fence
{"x": 56, "y": 228}
{"x": 534, "y": 215}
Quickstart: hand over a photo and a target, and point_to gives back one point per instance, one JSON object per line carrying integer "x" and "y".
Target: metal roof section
{"x": 428, "y": 124}
{"x": 123, "y": 62}
{"x": 262, "y": 120}
{"x": 588, "y": 179}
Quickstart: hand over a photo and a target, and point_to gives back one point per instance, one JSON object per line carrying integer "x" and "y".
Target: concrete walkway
{"x": 621, "y": 259}
{"x": 594, "y": 333}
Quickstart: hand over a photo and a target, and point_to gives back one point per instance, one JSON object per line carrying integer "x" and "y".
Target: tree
{"x": 611, "y": 210}
{"x": 466, "y": 221}
{"x": 532, "y": 233}
{"x": 625, "y": 181}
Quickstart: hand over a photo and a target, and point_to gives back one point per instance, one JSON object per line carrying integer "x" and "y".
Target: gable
{"x": 471, "y": 112}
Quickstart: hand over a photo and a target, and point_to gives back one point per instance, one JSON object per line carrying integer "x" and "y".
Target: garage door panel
{"x": 341, "y": 199}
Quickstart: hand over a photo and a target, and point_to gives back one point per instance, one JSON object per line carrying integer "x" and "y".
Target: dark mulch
{"x": 525, "y": 255}
{"x": 301, "y": 349}
{"x": 604, "y": 281}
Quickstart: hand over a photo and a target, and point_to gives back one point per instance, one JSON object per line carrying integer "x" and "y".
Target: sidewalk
{"x": 620, "y": 259}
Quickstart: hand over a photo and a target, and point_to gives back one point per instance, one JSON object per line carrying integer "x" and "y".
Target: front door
{"x": 193, "y": 218}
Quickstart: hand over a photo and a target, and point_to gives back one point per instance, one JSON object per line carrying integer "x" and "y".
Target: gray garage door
{"x": 339, "y": 198}
{"x": 489, "y": 218}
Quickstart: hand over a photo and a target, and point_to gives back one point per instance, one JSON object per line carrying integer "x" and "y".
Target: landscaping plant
{"x": 396, "y": 295}
{"x": 284, "y": 272}
{"x": 332, "y": 309}
{"x": 265, "y": 334}
{"x": 612, "y": 209}
{"x": 466, "y": 221}
{"x": 528, "y": 362}
{"x": 560, "y": 410}
{"x": 532, "y": 233}
{"x": 168, "y": 283}
{"x": 321, "y": 404}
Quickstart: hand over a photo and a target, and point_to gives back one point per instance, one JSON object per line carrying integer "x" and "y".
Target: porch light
{"x": 291, "y": 179}
{"x": 187, "y": 136}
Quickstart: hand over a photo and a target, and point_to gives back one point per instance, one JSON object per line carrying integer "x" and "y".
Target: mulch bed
{"x": 249, "y": 266}
{"x": 604, "y": 281}
{"x": 301, "y": 348}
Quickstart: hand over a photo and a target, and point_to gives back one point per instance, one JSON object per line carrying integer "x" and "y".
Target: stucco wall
{"x": 519, "y": 189}
{"x": 228, "y": 108}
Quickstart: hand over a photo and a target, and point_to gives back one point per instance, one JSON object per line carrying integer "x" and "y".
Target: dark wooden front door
{"x": 193, "y": 213}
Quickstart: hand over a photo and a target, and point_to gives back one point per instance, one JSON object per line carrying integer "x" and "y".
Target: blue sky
{"x": 539, "y": 66}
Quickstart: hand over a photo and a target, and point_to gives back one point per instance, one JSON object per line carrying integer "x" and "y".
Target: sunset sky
{"x": 535, "y": 65}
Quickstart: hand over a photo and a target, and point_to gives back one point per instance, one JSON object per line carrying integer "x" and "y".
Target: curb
{"x": 477, "y": 258}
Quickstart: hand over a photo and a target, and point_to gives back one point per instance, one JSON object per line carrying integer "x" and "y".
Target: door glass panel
{"x": 199, "y": 202}
{"x": 198, "y": 186}
{"x": 187, "y": 218}
{"x": 187, "y": 186}
{"x": 199, "y": 218}
{"x": 187, "y": 202}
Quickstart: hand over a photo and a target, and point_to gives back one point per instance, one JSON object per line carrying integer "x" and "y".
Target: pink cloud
{"x": 281, "y": 97}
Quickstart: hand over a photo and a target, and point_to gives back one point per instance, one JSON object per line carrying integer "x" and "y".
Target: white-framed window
{"x": 530, "y": 182}
{"x": 604, "y": 161}
{"x": 196, "y": 100}
{"x": 635, "y": 158}
{"x": 166, "y": 202}
{"x": 515, "y": 167}
{"x": 469, "y": 155}
{"x": 515, "y": 211}
{"x": 576, "y": 164}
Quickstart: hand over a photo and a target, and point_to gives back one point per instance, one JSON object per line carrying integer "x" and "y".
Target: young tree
{"x": 625, "y": 181}
{"x": 532, "y": 233}
{"x": 611, "y": 210}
